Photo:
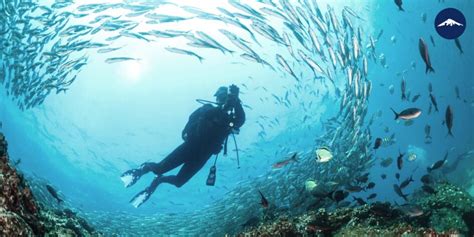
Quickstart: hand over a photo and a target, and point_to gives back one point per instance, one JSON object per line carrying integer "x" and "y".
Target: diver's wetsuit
{"x": 203, "y": 135}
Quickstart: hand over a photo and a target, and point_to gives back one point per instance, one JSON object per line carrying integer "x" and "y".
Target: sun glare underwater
{"x": 236, "y": 118}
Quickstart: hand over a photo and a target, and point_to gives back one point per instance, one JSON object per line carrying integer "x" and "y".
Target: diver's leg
{"x": 173, "y": 160}
{"x": 189, "y": 169}
{"x": 186, "y": 172}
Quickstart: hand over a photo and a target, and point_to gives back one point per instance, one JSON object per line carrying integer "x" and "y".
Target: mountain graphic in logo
{"x": 450, "y": 22}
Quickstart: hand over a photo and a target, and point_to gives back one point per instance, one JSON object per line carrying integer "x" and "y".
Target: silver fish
{"x": 425, "y": 55}
{"x": 407, "y": 114}
{"x": 285, "y": 66}
{"x": 120, "y": 59}
{"x": 209, "y": 40}
{"x": 449, "y": 120}
{"x": 458, "y": 45}
{"x": 184, "y": 52}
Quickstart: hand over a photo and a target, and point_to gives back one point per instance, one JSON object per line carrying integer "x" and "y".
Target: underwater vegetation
{"x": 448, "y": 212}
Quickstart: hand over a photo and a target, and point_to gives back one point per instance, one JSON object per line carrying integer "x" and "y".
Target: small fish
{"x": 371, "y": 185}
{"x": 397, "y": 175}
{"x": 423, "y": 17}
{"x": 415, "y": 98}
{"x": 363, "y": 178}
{"x": 410, "y": 113}
{"x": 399, "y": 4}
{"x": 286, "y": 67}
{"x": 372, "y": 196}
{"x": 432, "y": 41}
{"x": 400, "y": 160}
{"x": 430, "y": 87}
{"x": 425, "y": 55}
{"x": 428, "y": 133}
{"x": 360, "y": 201}
{"x": 438, "y": 163}
{"x": 433, "y": 101}
{"x": 383, "y": 176}
{"x": 184, "y": 52}
{"x": 458, "y": 45}
{"x": 449, "y": 120}
{"x": 409, "y": 122}
{"x": 403, "y": 88}
{"x": 165, "y": 18}
{"x": 386, "y": 162}
{"x": 428, "y": 189}
{"x": 412, "y": 210}
{"x": 388, "y": 141}
{"x": 380, "y": 34}
{"x": 17, "y": 162}
{"x": 378, "y": 143}
{"x": 339, "y": 195}
{"x": 120, "y": 59}
{"x": 108, "y": 50}
{"x": 456, "y": 90}
{"x": 426, "y": 179}
{"x": 354, "y": 188}
{"x": 399, "y": 192}
{"x": 406, "y": 182}
{"x": 411, "y": 156}
{"x": 323, "y": 154}
{"x": 310, "y": 185}
{"x": 53, "y": 193}
{"x": 263, "y": 200}
{"x": 285, "y": 162}
{"x": 391, "y": 89}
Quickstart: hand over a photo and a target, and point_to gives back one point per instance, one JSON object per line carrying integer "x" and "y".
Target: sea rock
{"x": 22, "y": 215}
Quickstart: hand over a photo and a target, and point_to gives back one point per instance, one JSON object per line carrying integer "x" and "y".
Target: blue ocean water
{"x": 116, "y": 116}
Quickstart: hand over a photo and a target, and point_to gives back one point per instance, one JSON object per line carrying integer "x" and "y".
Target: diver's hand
{"x": 234, "y": 91}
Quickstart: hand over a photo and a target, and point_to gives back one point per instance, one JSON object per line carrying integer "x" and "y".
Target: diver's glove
{"x": 234, "y": 91}
{"x": 233, "y": 97}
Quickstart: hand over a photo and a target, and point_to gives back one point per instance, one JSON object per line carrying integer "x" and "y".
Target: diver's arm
{"x": 239, "y": 114}
{"x": 239, "y": 117}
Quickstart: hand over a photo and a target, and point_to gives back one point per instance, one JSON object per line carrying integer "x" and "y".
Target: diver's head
{"x": 221, "y": 95}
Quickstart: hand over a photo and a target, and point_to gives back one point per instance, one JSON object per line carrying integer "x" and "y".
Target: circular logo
{"x": 450, "y": 23}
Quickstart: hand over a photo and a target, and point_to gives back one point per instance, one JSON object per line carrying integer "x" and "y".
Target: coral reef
{"x": 448, "y": 211}
{"x": 22, "y": 215}
{"x": 450, "y": 208}
{"x": 18, "y": 209}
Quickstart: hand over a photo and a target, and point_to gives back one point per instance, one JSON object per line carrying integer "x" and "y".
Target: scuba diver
{"x": 204, "y": 135}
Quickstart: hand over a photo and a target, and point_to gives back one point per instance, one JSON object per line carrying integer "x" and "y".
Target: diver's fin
{"x": 130, "y": 177}
{"x": 143, "y": 196}
{"x": 140, "y": 198}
